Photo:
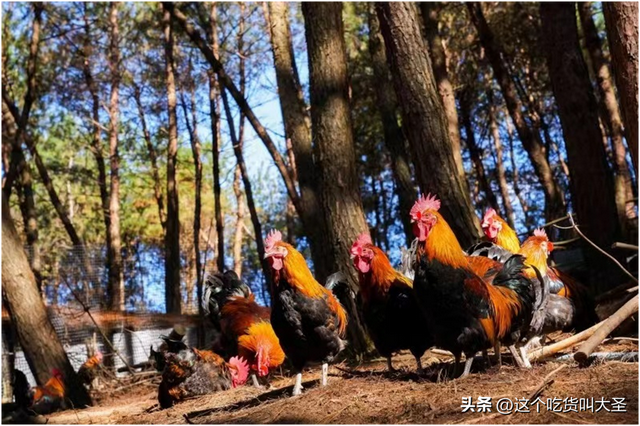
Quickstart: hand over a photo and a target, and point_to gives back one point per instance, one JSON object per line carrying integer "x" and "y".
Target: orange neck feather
{"x": 297, "y": 275}
{"x": 380, "y": 277}
{"x": 535, "y": 256}
{"x": 443, "y": 245}
{"x": 261, "y": 336}
{"x": 507, "y": 237}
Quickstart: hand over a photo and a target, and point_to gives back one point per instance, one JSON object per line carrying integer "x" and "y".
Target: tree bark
{"x": 621, "y": 19}
{"x": 334, "y": 149}
{"x": 37, "y": 337}
{"x": 591, "y": 181}
{"x": 96, "y": 143}
{"x": 393, "y": 136}
{"x": 153, "y": 158}
{"x": 237, "y": 236}
{"x": 502, "y": 176}
{"x": 424, "y": 119}
{"x": 192, "y": 129}
{"x": 438, "y": 54}
{"x": 297, "y": 128}
{"x": 554, "y": 200}
{"x": 611, "y": 118}
{"x": 214, "y": 108}
{"x": 476, "y": 152}
{"x": 116, "y": 277}
{"x": 172, "y": 238}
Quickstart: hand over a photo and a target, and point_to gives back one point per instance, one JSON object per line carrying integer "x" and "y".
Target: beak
{"x": 268, "y": 254}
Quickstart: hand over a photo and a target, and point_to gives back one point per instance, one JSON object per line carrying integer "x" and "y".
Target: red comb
{"x": 242, "y": 369}
{"x": 363, "y": 239}
{"x": 425, "y": 202}
{"x": 540, "y": 232}
{"x": 273, "y": 237}
{"x": 489, "y": 214}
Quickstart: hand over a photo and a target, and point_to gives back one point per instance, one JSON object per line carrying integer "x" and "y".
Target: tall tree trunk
{"x": 214, "y": 108}
{"x": 153, "y": 158}
{"x": 611, "y": 118}
{"x": 253, "y": 212}
{"x": 192, "y": 129}
{"x": 334, "y": 148}
{"x": 239, "y": 231}
{"x": 502, "y": 176}
{"x": 116, "y": 277}
{"x": 172, "y": 238}
{"x": 516, "y": 176}
{"x": 621, "y": 19}
{"x": 393, "y": 136}
{"x": 37, "y": 337}
{"x": 424, "y": 119}
{"x": 96, "y": 143}
{"x": 438, "y": 54}
{"x": 29, "y": 217}
{"x": 297, "y": 128}
{"x": 591, "y": 182}
{"x": 554, "y": 200}
{"x": 475, "y": 151}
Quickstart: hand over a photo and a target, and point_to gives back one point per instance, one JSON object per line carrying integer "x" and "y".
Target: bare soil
{"x": 366, "y": 393}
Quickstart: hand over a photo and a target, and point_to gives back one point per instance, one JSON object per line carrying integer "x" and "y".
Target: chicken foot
{"x": 297, "y": 388}
{"x": 325, "y": 373}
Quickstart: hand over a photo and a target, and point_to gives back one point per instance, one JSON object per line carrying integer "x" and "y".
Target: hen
{"x": 468, "y": 313}
{"x": 389, "y": 306}
{"x": 307, "y": 317}
{"x": 244, "y": 325}
{"x": 192, "y": 372}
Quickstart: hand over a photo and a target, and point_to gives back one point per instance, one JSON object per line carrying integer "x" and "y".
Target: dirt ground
{"x": 367, "y": 394}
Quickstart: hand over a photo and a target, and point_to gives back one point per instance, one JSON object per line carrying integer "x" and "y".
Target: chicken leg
{"x": 390, "y": 365}
{"x": 419, "y": 370}
{"x": 297, "y": 388}
{"x": 254, "y": 380}
{"x": 467, "y": 367}
{"x": 325, "y": 373}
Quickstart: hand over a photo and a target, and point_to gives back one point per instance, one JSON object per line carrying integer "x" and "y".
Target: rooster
{"x": 90, "y": 369}
{"x": 307, "y": 317}
{"x": 50, "y": 397}
{"x": 390, "y": 310}
{"x": 192, "y": 372}
{"x": 577, "y": 310}
{"x": 244, "y": 325}
{"x": 468, "y": 313}
{"x": 505, "y": 241}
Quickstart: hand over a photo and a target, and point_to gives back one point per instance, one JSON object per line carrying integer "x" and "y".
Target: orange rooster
{"x": 245, "y": 326}
{"x": 537, "y": 249}
{"x": 560, "y": 283}
{"x": 468, "y": 313}
{"x": 307, "y": 317}
{"x": 389, "y": 306}
{"x": 90, "y": 369}
{"x": 50, "y": 397}
{"x": 193, "y": 372}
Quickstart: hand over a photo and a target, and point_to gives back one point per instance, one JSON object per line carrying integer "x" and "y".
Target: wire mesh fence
{"x": 75, "y": 279}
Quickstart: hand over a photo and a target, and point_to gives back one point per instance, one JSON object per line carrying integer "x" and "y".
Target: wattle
{"x": 276, "y": 263}
{"x": 363, "y": 266}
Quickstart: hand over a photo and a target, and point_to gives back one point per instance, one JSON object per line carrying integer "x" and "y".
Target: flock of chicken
{"x": 497, "y": 292}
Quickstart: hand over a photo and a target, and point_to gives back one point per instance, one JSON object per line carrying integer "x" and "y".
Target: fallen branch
{"x": 608, "y": 326}
{"x": 604, "y": 356}
{"x": 625, "y": 246}
{"x": 549, "y": 350}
